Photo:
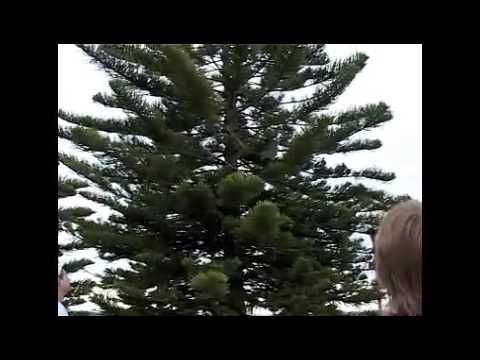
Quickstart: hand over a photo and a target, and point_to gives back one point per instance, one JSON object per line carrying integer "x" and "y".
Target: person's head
{"x": 64, "y": 286}
{"x": 398, "y": 258}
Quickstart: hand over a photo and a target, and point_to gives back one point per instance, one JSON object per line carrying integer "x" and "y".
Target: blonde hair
{"x": 398, "y": 258}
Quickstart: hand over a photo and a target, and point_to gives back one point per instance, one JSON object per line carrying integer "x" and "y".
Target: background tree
{"x": 219, "y": 183}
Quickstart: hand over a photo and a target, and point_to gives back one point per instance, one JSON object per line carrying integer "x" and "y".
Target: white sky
{"x": 393, "y": 74}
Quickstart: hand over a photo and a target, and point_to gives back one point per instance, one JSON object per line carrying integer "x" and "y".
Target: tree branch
{"x": 298, "y": 88}
{"x": 268, "y": 90}
{"x": 264, "y": 63}
{"x": 298, "y": 101}
{"x": 216, "y": 64}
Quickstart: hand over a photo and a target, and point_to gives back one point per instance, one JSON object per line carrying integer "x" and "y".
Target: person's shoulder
{"x": 61, "y": 310}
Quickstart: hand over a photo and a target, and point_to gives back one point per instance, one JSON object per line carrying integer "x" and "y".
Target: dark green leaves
{"x": 312, "y": 140}
{"x": 210, "y": 284}
{"x": 90, "y": 138}
{"x": 132, "y": 126}
{"x": 74, "y": 266}
{"x": 192, "y": 88}
{"x": 196, "y": 200}
{"x": 69, "y": 187}
{"x": 71, "y": 214}
{"x": 165, "y": 169}
{"x": 238, "y": 189}
{"x": 262, "y": 225}
{"x": 342, "y": 74}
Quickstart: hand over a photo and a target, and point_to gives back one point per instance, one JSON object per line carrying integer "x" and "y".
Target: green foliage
{"x": 80, "y": 289}
{"x": 239, "y": 188}
{"x": 262, "y": 224}
{"x": 69, "y": 187}
{"x": 110, "y": 240}
{"x": 230, "y": 223}
{"x": 66, "y": 220}
{"x": 89, "y": 171}
{"x": 210, "y": 284}
{"x": 164, "y": 169}
{"x": 306, "y": 144}
{"x": 190, "y": 85}
{"x": 72, "y": 214}
{"x": 90, "y": 138}
{"x": 75, "y": 265}
{"x": 231, "y": 266}
{"x": 195, "y": 200}
{"x": 301, "y": 267}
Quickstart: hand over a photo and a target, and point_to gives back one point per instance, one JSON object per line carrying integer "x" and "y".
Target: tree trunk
{"x": 237, "y": 292}
{"x": 232, "y": 154}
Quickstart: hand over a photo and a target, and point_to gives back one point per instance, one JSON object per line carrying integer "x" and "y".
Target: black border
{"x": 37, "y": 216}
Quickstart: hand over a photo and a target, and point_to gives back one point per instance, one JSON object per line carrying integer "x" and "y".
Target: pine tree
{"x": 218, "y": 181}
